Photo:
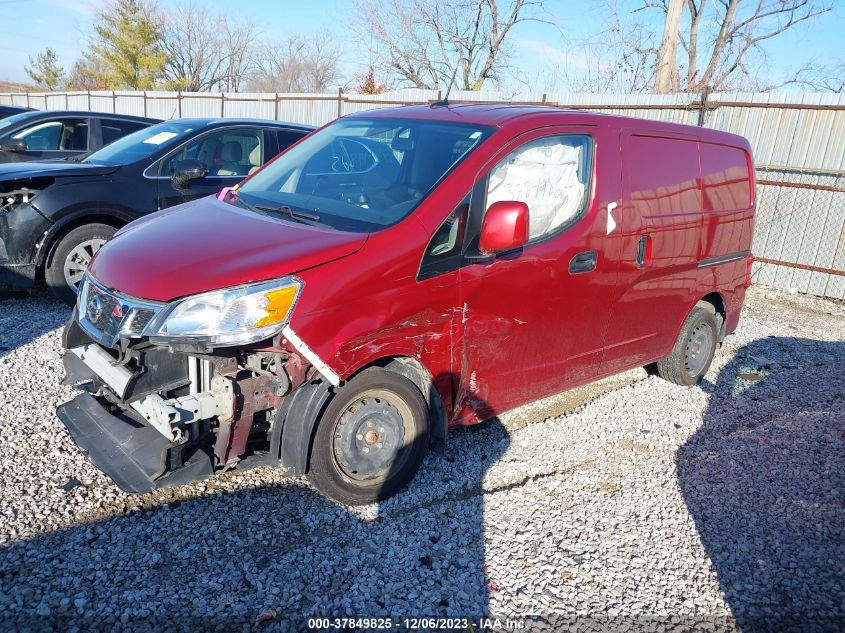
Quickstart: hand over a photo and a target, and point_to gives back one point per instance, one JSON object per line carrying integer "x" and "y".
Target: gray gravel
{"x": 630, "y": 504}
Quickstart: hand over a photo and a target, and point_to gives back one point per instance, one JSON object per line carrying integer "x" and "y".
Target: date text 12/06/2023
{"x": 413, "y": 624}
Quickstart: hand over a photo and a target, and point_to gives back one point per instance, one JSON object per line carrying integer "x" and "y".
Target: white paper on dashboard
{"x": 161, "y": 137}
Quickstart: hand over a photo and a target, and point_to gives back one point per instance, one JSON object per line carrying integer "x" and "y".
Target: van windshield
{"x": 363, "y": 174}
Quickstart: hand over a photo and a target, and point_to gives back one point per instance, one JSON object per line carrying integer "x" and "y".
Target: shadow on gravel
{"x": 764, "y": 480}
{"x": 216, "y": 562}
{"x": 24, "y": 318}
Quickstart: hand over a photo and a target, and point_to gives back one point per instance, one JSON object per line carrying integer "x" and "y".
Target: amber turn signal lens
{"x": 278, "y": 305}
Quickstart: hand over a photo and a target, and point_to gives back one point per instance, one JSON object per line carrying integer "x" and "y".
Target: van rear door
{"x": 533, "y": 319}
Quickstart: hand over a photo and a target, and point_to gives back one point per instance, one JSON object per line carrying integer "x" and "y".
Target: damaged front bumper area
{"x": 152, "y": 418}
{"x": 136, "y": 456}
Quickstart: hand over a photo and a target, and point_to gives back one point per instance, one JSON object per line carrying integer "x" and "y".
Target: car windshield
{"x": 141, "y": 144}
{"x": 15, "y": 118}
{"x": 362, "y": 174}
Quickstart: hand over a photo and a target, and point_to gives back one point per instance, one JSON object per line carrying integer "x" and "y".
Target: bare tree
{"x": 194, "y": 46}
{"x": 300, "y": 63}
{"x": 424, "y": 43}
{"x": 822, "y": 77}
{"x": 239, "y": 53}
{"x": 619, "y": 57}
{"x": 86, "y": 75}
{"x": 719, "y": 49}
{"x": 666, "y": 75}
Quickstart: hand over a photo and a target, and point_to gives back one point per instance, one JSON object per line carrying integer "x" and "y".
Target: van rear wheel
{"x": 694, "y": 350}
{"x": 371, "y": 439}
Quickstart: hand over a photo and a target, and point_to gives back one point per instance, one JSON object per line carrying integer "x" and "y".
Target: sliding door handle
{"x": 583, "y": 262}
{"x": 644, "y": 251}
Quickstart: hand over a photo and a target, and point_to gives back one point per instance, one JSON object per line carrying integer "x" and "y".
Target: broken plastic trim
{"x": 311, "y": 356}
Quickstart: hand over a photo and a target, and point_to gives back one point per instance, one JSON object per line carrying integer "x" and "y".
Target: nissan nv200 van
{"x": 400, "y": 273}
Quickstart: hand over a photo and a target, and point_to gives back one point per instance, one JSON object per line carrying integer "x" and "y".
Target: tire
{"x": 71, "y": 256}
{"x": 693, "y": 352}
{"x": 358, "y": 456}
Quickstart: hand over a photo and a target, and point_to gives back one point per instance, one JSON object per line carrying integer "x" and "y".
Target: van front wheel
{"x": 371, "y": 439}
{"x": 693, "y": 352}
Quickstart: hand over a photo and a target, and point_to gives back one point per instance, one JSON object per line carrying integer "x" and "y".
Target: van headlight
{"x": 231, "y": 316}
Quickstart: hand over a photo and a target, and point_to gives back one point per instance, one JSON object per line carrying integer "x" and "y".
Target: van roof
{"x": 503, "y": 114}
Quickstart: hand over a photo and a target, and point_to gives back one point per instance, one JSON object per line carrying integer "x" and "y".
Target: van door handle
{"x": 583, "y": 262}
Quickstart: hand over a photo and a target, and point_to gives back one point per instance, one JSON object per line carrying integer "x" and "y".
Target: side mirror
{"x": 14, "y": 145}
{"x": 187, "y": 170}
{"x": 505, "y": 227}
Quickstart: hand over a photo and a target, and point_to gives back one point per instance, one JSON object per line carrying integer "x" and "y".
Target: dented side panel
{"x": 380, "y": 310}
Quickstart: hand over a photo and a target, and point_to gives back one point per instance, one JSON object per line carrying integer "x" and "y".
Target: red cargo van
{"x": 399, "y": 273}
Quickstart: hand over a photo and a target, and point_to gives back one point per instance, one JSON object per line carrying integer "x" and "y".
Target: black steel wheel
{"x": 371, "y": 439}
{"x": 694, "y": 350}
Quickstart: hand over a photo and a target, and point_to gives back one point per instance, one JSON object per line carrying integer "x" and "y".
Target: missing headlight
{"x": 12, "y": 199}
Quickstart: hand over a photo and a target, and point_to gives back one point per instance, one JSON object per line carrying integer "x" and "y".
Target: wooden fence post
{"x": 339, "y": 102}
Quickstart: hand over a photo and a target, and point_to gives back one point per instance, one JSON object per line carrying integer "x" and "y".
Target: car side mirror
{"x": 187, "y": 170}
{"x": 14, "y": 145}
{"x": 505, "y": 227}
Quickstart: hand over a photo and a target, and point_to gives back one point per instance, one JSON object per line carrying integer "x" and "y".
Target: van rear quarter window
{"x": 663, "y": 175}
{"x": 726, "y": 185}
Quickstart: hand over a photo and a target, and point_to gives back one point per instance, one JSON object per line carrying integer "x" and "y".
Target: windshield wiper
{"x": 286, "y": 210}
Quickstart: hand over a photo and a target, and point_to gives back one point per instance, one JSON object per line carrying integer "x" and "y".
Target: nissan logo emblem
{"x": 95, "y": 307}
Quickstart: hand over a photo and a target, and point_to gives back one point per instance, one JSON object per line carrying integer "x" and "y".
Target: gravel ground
{"x": 630, "y": 504}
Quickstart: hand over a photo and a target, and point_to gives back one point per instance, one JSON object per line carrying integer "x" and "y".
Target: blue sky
{"x": 31, "y": 25}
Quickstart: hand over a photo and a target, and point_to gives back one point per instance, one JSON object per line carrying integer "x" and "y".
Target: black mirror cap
{"x": 187, "y": 170}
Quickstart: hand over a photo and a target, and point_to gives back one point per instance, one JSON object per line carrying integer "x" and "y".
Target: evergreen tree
{"x": 126, "y": 52}
{"x": 45, "y": 71}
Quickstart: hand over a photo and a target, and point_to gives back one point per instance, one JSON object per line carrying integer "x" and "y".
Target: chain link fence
{"x": 799, "y": 235}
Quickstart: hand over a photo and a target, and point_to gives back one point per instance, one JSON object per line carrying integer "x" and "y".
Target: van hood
{"x": 206, "y": 245}
{"x": 53, "y": 169}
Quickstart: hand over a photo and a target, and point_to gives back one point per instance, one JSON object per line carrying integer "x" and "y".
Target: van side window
{"x": 663, "y": 175}
{"x": 726, "y": 184}
{"x": 550, "y": 175}
{"x": 443, "y": 253}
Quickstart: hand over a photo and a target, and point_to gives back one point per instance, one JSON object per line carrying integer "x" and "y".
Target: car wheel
{"x": 71, "y": 257}
{"x": 371, "y": 439}
{"x": 693, "y": 352}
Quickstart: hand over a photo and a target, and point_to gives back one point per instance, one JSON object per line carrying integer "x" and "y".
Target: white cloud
{"x": 82, "y": 7}
{"x": 575, "y": 59}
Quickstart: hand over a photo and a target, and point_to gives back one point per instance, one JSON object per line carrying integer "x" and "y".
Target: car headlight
{"x": 232, "y": 316}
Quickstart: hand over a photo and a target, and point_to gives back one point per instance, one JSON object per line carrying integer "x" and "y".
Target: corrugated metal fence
{"x": 798, "y": 141}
